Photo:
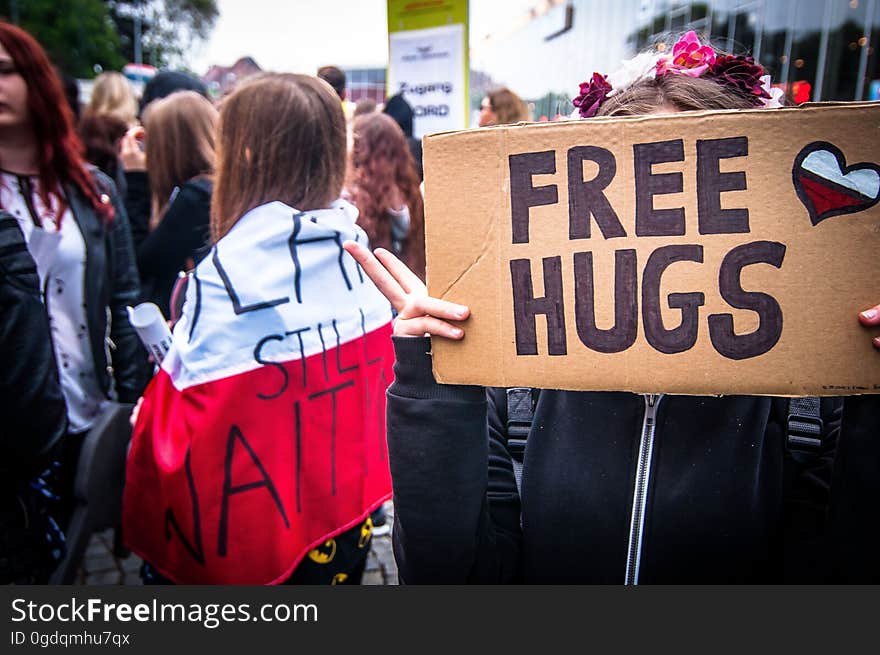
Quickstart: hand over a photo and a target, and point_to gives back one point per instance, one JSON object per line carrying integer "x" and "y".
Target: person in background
{"x": 101, "y": 135}
{"x": 32, "y": 414}
{"x": 165, "y": 83}
{"x": 111, "y": 111}
{"x": 383, "y": 184}
{"x": 617, "y": 487}
{"x": 77, "y": 231}
{"x": 137, "y": 184}
{"x": 271, "y": 400}
{"x": 501, "y": 107}
{"x": 365, "y": 106}
{"x": 112, "y": 95}
{"x": 400, "y": 110}
{"x": 335, "y": 77}
{"x": 179, "y": 162}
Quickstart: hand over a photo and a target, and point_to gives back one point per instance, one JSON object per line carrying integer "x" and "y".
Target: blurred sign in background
{"x": 428, "y": 62}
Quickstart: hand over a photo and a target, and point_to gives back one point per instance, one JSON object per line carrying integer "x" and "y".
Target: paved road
{"x": 102, "y": 567}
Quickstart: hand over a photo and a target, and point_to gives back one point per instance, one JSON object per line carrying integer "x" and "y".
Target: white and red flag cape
{"x": 263, "y": 433}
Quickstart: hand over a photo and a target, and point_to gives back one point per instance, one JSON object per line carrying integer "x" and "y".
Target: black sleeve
{"x": 855, "y": 489}
{"x": 456, "y": 510}
{"x": 137, "y": 205}
{"x": 130, "y": 367}
{"x": 33, "y": 417}
{"x": 181, "y": 232}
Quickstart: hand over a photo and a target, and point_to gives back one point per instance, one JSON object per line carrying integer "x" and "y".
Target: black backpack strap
{"x": 804, "y": 430}
{"x": 521, "y": 403}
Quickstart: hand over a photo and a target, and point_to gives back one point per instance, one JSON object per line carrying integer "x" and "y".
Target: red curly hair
{"x": 59, "y": 150}
{"x": 380, "y": 163}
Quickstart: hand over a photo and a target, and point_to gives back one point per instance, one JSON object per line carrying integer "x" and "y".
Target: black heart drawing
{"x": 828, "y": 187}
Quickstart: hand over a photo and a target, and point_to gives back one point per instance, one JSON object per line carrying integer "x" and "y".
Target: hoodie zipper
{"x": 640, "y": 493}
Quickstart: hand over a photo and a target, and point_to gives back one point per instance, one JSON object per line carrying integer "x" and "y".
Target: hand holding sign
{"x": 418, "y": 313}
{"x": 871, "y": 318}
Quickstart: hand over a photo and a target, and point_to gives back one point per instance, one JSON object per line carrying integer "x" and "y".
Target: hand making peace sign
{"x": 418, "y": 314}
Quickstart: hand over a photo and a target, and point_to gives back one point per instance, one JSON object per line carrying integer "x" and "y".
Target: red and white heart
{"x": 828, "y": 187}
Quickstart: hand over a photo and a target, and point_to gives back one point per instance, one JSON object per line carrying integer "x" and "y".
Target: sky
{"x": 301, "y": 35}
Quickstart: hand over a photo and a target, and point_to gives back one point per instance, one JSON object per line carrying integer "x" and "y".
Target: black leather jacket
{"x": 111, "y": 284}
{"x": 33, "y": 418}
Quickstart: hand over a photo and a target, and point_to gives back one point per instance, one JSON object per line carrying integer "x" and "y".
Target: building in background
{"x": 365, "y": 83}
{"x": 814, "y": 49}
{"x": 221, "y": 80}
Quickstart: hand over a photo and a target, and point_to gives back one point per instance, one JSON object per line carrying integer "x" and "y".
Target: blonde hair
{"x": 679, "y": 92}
{"x": 280, "y": 137}
{"x": 179, "y": 144}
{"x": 112, "y": 94}
{"x": 507, "y": 106}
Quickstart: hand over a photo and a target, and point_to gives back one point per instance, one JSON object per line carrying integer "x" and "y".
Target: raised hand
{"x": 131, "y": 150}
{"x": 418, "y": 314}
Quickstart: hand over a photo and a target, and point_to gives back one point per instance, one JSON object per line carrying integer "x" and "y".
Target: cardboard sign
{"x": 695, "y": 253}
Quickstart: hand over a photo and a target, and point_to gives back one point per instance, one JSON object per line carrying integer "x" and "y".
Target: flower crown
{"x": 691, "y": 58}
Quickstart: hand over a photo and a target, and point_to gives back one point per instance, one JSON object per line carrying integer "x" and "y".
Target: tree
{"x": 168, "y": 28}
{"x": 77, "y": 34}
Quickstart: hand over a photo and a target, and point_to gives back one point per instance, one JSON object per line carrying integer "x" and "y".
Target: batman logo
{"x": 366, "y": 532}
{"x": 324, "y": 553}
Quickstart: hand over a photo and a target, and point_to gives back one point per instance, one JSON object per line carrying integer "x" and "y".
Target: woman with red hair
{"x": 77, "y": 232}
{"x": 383, "y": 183}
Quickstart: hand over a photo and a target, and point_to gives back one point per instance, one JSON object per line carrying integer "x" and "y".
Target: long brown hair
{"x": 280, "y": 137}
{"x": 678, "y": 92}
{"x": 179, "y": 145}
{"x": 59, "y": 149}
{"x": 381, "y": 163}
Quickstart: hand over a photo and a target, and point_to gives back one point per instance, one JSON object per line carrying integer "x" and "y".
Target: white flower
{"x": 774, "y": 101}
{"x": 632, "y": 70}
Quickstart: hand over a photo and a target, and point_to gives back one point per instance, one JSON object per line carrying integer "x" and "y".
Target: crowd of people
{"x": 118, "y": 203}
{"x": 262, "y": 447}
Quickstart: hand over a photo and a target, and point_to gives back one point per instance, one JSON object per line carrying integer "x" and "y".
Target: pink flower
{"x": 689, "y": 57}
{"x": 593, "y": 94}
{"x": 662, "y": 67}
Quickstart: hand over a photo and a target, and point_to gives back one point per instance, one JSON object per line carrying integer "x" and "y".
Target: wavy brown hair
{"x": 381, "y": 163}
{"x": 280, "y": 137}
{"x": 678, "y": 92}
{"x": 179, "y": 145}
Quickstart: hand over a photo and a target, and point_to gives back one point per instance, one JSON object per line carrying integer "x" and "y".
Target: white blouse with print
{"x": 60, "y": 256}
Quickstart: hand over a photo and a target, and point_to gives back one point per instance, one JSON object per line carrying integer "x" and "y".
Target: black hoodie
{"x": 723, "y": 500}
